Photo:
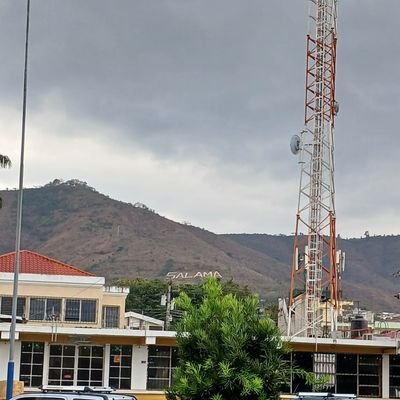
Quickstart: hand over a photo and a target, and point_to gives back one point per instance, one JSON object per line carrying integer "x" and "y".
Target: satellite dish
{"x": 336, "y": 108}
{"x": 295, "y": 144}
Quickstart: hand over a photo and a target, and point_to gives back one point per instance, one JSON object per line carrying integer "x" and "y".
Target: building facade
{"x": 368, "y": 368}
{"x": 73, "y": 330}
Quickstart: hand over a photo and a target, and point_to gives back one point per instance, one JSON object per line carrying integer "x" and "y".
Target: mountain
{"x": 371, "y": 265}
{"x": 72, "y": 222}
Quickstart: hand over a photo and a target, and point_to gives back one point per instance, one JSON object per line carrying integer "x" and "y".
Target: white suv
{"x": 325, "y": 396}
{"x": 51, "y": 392}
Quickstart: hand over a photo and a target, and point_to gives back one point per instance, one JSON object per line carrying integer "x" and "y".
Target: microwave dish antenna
{"x": 295, "y": 143}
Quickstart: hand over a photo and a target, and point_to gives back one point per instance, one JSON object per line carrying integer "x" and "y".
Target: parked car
{"x": 52, "y": 392}
{"x": 325, "y": 396}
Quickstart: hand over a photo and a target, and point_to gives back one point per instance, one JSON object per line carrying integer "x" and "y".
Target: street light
{"x": 10, "y": 366}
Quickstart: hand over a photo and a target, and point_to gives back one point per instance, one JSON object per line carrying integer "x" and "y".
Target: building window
{"x": 31, "y": 366}
{"x": 90, "y": 366}
{"x": 6, "y": 306}
{"x": 80, "y": 310}
{"x": 162, "y": 360}
{"x": 72, "y": 310}
{"x": 305, "y": 361}
{"x": 394, "y": 376}
{"x": 325, "y": 367}
{"x": 369, "y": 375}
{"x": 61, "y": 365}
{"x": 76, "y": 365}
{"x": 346, "y": 373}
{"x": 110, "y": 317}
{"x": 359, "y": 374}
{"x": 41, "y": 309}
{"x": 120, "y": 366}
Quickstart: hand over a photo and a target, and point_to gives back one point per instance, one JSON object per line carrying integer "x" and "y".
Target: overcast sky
{"x": 188, "y": 106}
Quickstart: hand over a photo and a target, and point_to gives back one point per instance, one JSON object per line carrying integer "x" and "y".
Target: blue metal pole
{"x": 10, "y": 374}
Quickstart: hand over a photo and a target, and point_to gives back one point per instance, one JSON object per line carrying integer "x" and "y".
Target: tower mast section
{"x": 314, "y": 266}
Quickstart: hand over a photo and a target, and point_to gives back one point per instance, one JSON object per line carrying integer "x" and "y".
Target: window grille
{"x": 88, "y": 311}
{"x": 72, "y": 310}
{"x": 325, "y": 366}
{"x": 41, "y": 309}
{"x": 6, "y": 306}
{"x": 80, "y": 310}
{"x": 110, "y": 317}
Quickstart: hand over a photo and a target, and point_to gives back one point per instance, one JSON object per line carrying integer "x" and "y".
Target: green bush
{"x": 227, "y": 349}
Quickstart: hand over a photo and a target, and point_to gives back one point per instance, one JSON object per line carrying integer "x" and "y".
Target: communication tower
{"x": 317, "y": 264}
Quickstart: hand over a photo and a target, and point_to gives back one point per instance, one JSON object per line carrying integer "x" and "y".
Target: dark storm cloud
{"x": 369, "y": 93}
{"x": 170, "y": 74}
{"x": 214, "y": 80}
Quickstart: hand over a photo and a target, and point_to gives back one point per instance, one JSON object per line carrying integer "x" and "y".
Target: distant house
{"x": 139, "y": 321}
{"x": 75, "y": 330}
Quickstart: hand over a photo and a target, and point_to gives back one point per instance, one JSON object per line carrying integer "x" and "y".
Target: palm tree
{"x": 4, "y": 161}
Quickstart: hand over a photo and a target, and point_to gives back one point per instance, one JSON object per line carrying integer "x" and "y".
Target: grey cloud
{"x": 191, "y": 71}
{"x": 217, "y": 81}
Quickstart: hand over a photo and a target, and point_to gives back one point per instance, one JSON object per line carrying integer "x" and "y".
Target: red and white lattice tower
{"x": 313, "y": 302}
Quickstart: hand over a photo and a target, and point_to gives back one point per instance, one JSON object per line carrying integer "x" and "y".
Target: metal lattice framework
{"x": 314, "y": 267}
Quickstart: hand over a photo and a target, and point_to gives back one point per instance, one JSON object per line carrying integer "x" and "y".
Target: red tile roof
{"x": 34, "y": 263}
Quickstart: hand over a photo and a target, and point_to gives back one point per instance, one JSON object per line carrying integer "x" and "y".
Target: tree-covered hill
{"x": 72, "y": 222}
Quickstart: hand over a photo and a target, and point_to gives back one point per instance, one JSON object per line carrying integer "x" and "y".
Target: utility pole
{"x": 168, "y": 311}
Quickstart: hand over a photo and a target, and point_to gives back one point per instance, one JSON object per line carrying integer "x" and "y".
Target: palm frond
{"x": 4, "y": 161}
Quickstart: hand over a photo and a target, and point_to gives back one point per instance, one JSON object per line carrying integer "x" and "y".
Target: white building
{"x": 75, "y": 331}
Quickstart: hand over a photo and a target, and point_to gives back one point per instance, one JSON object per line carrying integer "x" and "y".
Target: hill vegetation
{"x": 372, "y": 263}
{"x": 72, "y": 222}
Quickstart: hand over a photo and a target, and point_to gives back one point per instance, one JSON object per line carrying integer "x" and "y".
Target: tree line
{"x": 145, "y": 296}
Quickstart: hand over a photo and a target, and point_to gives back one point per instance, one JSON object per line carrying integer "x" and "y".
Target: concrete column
{"x": 17, "y": 359}
{"x": 385, "y": 376}
{"x": 4, "y": 353}
{"x": 139, "y": 367}
{"x": 106, "y": 366}
{"x": 46, "y": 362}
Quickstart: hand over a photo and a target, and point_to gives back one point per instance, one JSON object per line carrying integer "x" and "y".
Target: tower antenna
{"x": 316, "y": 264}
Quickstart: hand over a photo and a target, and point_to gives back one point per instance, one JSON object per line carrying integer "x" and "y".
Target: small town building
{"x": 135, "y": 320}
{"x": 73, "y": 330}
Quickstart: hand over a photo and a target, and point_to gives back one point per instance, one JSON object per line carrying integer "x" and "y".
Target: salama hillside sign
{"x": 191, "y": 275}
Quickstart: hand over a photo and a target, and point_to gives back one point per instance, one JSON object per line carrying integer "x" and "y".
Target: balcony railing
{"x": 116, "y": 289}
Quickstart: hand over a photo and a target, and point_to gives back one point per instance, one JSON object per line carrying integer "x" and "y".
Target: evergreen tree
{"x": 227, "y": 349}
{"x": 145, "y": 295}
